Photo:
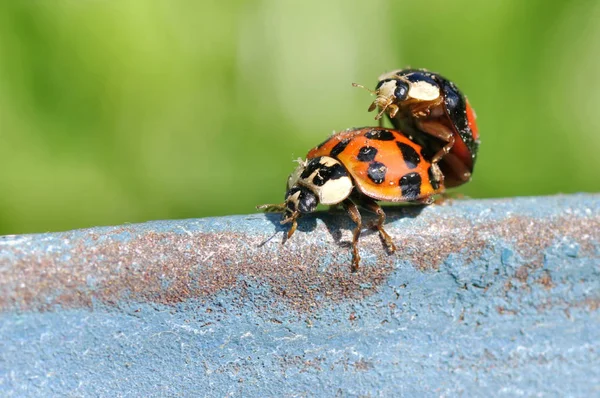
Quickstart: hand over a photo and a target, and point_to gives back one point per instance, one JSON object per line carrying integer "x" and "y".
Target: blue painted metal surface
{"x": 483, "y": 297}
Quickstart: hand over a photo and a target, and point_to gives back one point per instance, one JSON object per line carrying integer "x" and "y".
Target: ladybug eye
{"x": 401, "y": 91}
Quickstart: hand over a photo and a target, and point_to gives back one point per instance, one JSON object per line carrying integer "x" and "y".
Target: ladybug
{"x": 435, "y": 114}
{"x": 358, "y": 167}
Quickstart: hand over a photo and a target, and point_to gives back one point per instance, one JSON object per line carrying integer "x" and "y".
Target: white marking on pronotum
{"x": 423, "y": 91}
{"x": 387, "y": 90}
{"x": 335, "y": 191}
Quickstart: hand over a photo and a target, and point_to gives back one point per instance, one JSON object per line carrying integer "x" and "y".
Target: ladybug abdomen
{"x": 384, "y": 164}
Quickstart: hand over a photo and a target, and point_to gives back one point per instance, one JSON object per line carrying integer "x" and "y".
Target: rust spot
{"x": 503, "y": 311}
{"x": 522, "y": 273}
{"x": 305, "y": 365}
{"x": 546, "y": 280}
{"x": 592, "y": 304}
{"x": 362, "y": 365}
{"x": 308, "y": 271}
{"x": 589, "y": 304}
{"x": 528, "y": 236}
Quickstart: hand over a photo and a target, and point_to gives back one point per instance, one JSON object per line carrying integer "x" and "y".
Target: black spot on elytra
{"x": 432, "y": 179}
{"x": 339, "y": 147}
{"x": 376, "y": 172}
{"x": 326, "y": 173}
{"x": 411, "y": 157}
{"x": 366, "y": 154}
{"x": 380, "y": 135}
{"x": 410, "y": 184}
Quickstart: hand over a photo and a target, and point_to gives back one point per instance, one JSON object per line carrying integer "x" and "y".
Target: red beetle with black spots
{"x": 434, "y": 113}
{"x": 358, "y": 167}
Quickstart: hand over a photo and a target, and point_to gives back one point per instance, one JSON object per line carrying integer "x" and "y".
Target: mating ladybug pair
{"x": 433, "y": 146}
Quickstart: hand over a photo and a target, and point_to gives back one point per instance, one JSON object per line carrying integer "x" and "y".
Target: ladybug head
{"x": 390, "y": 93}
{"x": 415, "y": 85}
{"x": 402, "y": 88}
{"x": 319, "y": 180}
{"x": 298, "y": 200}
{"x": 395, "y": 89}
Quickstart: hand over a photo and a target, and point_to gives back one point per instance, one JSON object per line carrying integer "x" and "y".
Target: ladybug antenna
{"x": 374, "y": 103}
{"x": 373, "y": 92}
{"x": 272, "y": 208}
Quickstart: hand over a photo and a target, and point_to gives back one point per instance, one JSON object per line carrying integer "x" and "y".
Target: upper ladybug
{"x": 433, "y": 112}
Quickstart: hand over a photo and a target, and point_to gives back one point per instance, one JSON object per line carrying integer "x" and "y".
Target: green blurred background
{"x": 126, "y": 111}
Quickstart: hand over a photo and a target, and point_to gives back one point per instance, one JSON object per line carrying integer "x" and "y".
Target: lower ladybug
{"x": 358, "y": 167}
{"x": 435, "y": 114}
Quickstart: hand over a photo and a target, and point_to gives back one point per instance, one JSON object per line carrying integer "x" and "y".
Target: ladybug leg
{"x": 393, "y": 110}
{"x": 420, "y": 108}
{"x": 424, "y": 201}
{"x": 290, "y": 218}
{"x": 445, "y": 149}
{"x": 354, "y": 214}
{"x": 438, "y": 130}
{"x": 374, "y": 207}
{"x": 293, "y": 227}
{"x": 461, "y": 170}
{"x": 280, "y": 208}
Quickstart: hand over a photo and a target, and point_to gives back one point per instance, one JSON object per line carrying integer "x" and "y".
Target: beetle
{"x": 356, "y": 168}
{"x": 433, "y": 112}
